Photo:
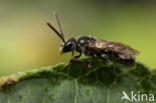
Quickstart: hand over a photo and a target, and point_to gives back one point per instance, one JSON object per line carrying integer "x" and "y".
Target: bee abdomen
{"x": 125, "y": 59}
{"x": 128, "y": 62}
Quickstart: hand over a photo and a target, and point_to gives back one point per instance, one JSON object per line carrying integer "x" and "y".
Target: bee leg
{"x": 78, "y": 56}
{"x": 109, "y": 62}
{"x": 74, "y": 58}
{"x": 90, "y": 65}
{"x": 70, "y": 61}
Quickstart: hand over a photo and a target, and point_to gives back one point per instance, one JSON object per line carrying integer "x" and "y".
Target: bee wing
{"x": 105, "y": 45}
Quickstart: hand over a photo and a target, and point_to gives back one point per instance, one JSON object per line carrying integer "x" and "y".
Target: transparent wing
{"x": 105, "y": 45}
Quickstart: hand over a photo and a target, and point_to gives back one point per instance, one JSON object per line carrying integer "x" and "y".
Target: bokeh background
{"x": 27, "y": 43}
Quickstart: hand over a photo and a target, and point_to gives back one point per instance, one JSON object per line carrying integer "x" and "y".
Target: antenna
{"x": 58, "y": 23}
{"x": 56, "y": 31}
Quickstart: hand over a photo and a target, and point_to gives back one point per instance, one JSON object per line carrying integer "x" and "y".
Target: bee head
{"x": 68, "y": 46}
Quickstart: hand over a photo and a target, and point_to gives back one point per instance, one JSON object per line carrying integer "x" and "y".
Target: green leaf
{"x": 84, "y": 81}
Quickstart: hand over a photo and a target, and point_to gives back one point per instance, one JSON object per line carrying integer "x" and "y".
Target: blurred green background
{"x": 26, "y": 42}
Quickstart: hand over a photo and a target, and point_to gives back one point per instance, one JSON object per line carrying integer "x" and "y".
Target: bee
{"x": 92, "y": 46}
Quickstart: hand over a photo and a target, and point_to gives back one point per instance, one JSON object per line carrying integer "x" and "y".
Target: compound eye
{"x": 69, "y": 45}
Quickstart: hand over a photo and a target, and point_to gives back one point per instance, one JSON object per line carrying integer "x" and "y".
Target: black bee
{"x": 91, "y": 46}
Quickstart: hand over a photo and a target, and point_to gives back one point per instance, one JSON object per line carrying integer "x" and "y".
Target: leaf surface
{"x": 84, "y": 81}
